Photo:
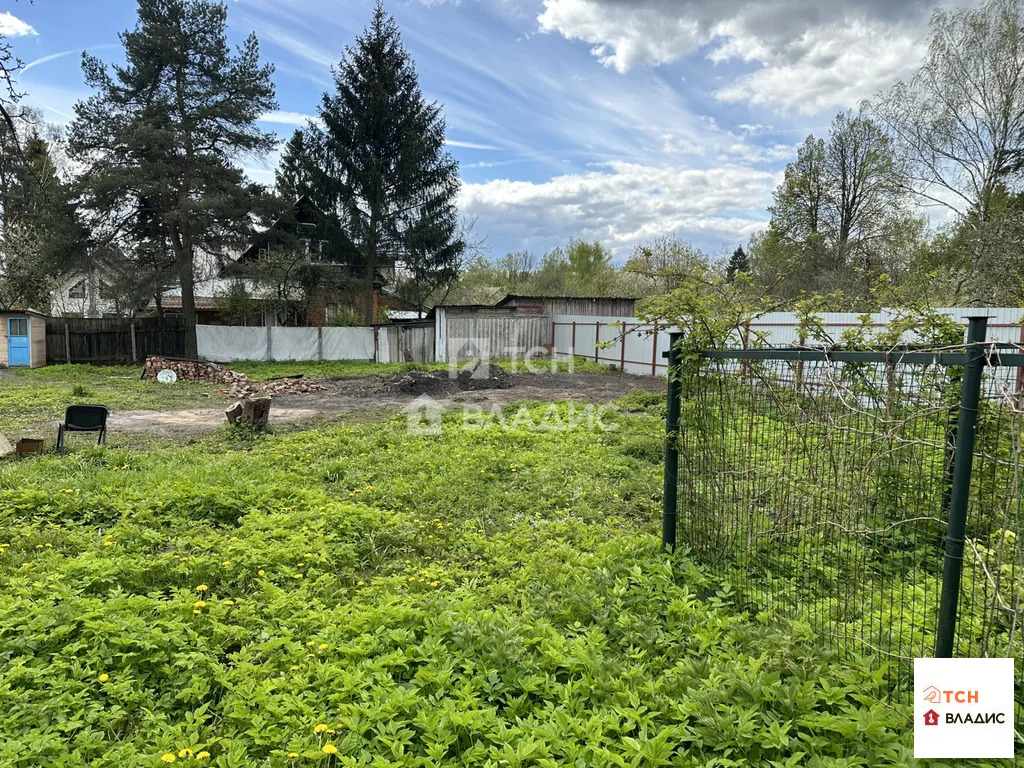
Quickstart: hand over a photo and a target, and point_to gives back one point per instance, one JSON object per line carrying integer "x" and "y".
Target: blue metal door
{"x": 17, "y": 341}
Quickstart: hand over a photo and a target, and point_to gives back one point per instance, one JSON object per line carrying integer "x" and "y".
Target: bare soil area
{"x": 366, "y": 397}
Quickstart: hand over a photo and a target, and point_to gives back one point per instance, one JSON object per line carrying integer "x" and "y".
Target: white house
{"x": 84, "y": 294}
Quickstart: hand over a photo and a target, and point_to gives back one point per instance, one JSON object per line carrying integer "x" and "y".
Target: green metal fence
{"x": 875, "y": 494}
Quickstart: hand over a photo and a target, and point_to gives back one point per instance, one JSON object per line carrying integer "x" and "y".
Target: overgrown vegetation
{"x": 325, "y": 597}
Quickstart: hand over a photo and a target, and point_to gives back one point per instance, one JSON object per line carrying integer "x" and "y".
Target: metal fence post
{"x": 963, "y": 462}
{"x": 670, "y": 496}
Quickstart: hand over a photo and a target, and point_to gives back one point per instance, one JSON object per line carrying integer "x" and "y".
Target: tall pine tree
{"x": 738, "y": 262}
{"x": 162, "y": 134}
{"x": 383, "y": 162}
{"x": 40, "y": 233}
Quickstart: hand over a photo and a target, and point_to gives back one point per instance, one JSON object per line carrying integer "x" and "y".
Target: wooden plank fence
{"x": 99, "y": 341}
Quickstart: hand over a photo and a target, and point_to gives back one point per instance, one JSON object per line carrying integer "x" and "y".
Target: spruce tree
{"x": 293, "y": 177}
{"x": 738, "y": 262}
{"x": 162, "y": 133}
{"x": 383, "y": 162}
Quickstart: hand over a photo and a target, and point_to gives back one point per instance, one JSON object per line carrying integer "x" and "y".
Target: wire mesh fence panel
{"x": 820, "y": 489}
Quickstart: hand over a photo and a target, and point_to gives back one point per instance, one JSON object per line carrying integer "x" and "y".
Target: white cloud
{"x": 813, "y": 55}
{"x": 624, "y": 36}
{"x": 623, "y": 204}
{"x": 282, "y": 117}
{"x": 12, "y": 26}
{"x": 469, "y": 145}
{"x": 837, "y": 66}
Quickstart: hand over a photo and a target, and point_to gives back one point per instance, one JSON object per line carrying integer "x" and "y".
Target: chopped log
{"x": 233, "y": 412}
{"x": 253, "y": 412}
{"x": 256, "y": 413}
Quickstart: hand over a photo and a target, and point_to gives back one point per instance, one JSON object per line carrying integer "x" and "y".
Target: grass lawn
{"x": 31, "y": 400}
{"x": 358, "y": 596}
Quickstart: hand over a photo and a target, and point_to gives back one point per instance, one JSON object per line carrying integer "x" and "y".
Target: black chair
{"x": 84, "y": 418}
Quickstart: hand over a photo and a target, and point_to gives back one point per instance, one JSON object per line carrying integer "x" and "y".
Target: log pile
{"x": 192, "y": 370}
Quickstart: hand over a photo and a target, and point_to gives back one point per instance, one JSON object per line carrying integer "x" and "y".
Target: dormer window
{"x": 77, "y": 291}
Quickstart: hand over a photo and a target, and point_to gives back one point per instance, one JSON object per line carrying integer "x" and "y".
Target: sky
{"x": 610, "y": 120}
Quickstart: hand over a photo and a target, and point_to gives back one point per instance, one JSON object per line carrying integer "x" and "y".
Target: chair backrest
{"x": 86, "y": 416}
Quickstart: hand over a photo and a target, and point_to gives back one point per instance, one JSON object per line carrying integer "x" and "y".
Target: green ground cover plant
{"x": 358, "y": 596}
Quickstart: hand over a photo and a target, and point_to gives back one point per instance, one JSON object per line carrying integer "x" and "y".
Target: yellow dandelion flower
{"x": 360, "y": 583}
{"x": 227, "y": 562}
{"x": 229, "y": 602}
{"x": 322, "y": 646}
{"x": 204, "y": 755}
{"x": 196, "y": 611}
{"x": 298, "y": 575}
{"x": 295, "y": 667}
{"x": 168, "y": 757}
{"x": 184, "y": 752}
{"x": 311, "y": 643}
{"x": 434, "y": 583}
{"x": 320, "y": 728}
{"x": 293, "y": 755}
{"x": 202, "y": 588}
{"x": 200, "y": 604}
{"x": 261, "y": 572}
{"x": 104, "y": 677}
{"x": 329, "y": 749}
{"x": 108, "y": 543}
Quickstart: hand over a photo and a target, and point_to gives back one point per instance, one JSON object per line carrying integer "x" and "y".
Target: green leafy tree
{"x": 163, "y": 131}
{"x": 662, "y": 263}
{"x": 958, "y": 124}
{"x": 384, "y": 166}
{"x": 590, "y": 267}
{"x": 840, "y": 216}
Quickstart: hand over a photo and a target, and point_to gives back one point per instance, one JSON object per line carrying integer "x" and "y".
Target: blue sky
{"x": 615, "y": 120}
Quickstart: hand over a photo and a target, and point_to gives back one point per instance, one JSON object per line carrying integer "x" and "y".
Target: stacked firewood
{"x": 192, "y": 370}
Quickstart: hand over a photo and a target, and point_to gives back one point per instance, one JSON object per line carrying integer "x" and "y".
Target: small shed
{"x": 22, "y": 338}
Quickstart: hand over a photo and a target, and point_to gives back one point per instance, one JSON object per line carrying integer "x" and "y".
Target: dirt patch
{"x": 434, "y": 383}
{"x": 378, "y": 396}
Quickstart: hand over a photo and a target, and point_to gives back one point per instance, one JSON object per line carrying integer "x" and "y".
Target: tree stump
{"x": 253, "y": 413}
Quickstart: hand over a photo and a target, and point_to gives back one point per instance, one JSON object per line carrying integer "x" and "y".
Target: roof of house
{"x": 21, "y": 311}
{"x": 202, "y": 302}
{"x": 517, "y": 297}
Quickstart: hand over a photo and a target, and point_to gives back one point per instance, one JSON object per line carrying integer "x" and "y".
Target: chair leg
{"x": 102, "y": 439}
{"x": 60, "y": 439}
